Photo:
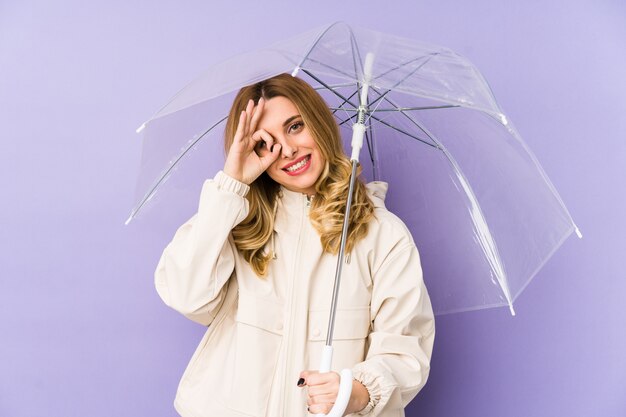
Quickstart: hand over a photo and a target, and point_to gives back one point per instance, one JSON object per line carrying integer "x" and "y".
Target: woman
{"x": 256, "y": 263}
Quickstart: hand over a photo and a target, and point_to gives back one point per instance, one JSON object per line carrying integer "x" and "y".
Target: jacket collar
{"x": 292, "y": 198}
{"x": 377, "y": 190}
{"x": 292, "y": 204}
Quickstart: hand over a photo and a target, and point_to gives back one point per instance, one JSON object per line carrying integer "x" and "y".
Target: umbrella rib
{"x": 369, "y": 139}
{"x": 356, "y": 58}
{"x": 399, "y": 109}
{"x": 333, "y": 86}
{"x": 429, "y": 56}
{"x": 394, "y": 128}
{"x": 404, "y": 132}
{"x": 412, "y": 121}
{"x": 329, "y": 67}
{"x": 161, "y": 179}
{"x": 335, "y": 109}
{"x": 345, "y": 100}
{"x": 319, "y": 38}
{"x": 332, "y": 90}
{"x": 353, "y": 45}
{"x": 403, "y": 79}
{"x": 344, "y": 121}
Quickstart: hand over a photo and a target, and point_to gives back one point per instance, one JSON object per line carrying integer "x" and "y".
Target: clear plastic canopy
{"x": 484, "y": 215}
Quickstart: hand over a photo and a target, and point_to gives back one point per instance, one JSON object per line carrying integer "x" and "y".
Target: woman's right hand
{"x": 242, "y": 162}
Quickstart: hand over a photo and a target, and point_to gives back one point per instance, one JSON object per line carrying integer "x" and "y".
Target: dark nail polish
{"x": 301, "y": 382}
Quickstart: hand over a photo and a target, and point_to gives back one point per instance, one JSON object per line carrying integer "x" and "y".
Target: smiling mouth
{"x": 298, "y": 166}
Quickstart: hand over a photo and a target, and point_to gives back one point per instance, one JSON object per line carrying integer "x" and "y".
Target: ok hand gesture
{"x": 242, "y": 162}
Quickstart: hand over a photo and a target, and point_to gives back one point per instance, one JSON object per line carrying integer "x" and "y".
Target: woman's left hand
{"x": 323, "y": 389}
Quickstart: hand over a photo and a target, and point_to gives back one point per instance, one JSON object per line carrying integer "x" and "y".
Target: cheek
{"x": 321, "y": 161}
{"x": 273, "y": 171}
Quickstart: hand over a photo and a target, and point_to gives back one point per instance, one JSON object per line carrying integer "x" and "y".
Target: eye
{"x": 296, "y": 127}
{"x": 261, "y": 145}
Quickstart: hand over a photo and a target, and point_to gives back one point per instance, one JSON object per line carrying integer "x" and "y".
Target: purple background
{"x": 82, "y": 330}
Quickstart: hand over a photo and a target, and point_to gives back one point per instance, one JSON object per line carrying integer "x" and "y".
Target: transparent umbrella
{"x": 483, "y": 213}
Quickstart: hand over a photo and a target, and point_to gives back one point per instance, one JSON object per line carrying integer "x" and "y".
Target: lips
{"x": 296, "y": 162}
{"x": 298, "y": 166}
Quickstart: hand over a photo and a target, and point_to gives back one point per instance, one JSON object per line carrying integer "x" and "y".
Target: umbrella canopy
{"x": 483, "y": 213}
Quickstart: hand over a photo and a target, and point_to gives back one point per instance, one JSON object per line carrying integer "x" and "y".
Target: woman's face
{"x": 300, "y": 162}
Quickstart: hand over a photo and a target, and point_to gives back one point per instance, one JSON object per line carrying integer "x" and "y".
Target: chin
{"x": 301, "y": 184}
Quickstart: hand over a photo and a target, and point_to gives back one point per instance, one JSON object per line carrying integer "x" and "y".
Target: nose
{"x": 288, "y": 148}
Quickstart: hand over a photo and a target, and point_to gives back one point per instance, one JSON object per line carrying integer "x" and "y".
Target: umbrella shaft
{"x": 342, "y": 247}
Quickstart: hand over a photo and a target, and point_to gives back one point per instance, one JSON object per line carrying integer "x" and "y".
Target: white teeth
{"x": 298, "y": 165}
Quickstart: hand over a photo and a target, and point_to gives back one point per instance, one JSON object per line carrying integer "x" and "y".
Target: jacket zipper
{"x": 293, "y": 295}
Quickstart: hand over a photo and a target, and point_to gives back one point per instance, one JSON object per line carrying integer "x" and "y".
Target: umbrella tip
{"x": 578, "y": 233}
{"x": 128, "y": 220}
{"x": 295, "y": 71}
{"x": 141, "y": 128}
{"x": 512, "y": 309}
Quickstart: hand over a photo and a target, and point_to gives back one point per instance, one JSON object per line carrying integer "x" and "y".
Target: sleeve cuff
{"x": 228, "y": 183}
{"x": 370, "y": 382}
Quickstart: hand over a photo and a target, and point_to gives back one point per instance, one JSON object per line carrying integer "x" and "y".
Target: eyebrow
{"x": 291, "y": 119}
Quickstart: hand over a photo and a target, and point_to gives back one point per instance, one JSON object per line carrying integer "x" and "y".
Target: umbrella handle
{"x": 345, "y": 385}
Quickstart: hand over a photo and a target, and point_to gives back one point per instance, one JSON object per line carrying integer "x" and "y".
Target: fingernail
{"x": 301, "y": 382}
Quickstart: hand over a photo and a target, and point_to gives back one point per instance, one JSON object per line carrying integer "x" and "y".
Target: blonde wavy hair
{"x": 328, "y": 207}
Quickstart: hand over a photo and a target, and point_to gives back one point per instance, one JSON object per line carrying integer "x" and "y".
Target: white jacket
{"x": 263, "y": 332}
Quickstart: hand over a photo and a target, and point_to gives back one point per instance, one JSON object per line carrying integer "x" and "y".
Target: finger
{"x": 249, "y": 109}
{"x": 326, "y": 378}
{"x": 321, "y": 399}
{"x": 274, "y": 153}
{"x": 331, "y": 387}
{"x": 303, "y": 374}
{"x": 320, "y": 408}
{"x": 257, "y": 114}
{"x": 240, "y": 127}
{"x": 261, "y": 137}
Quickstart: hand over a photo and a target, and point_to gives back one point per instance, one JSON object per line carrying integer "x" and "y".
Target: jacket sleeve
{"x": 198, "y": 262}
{"x": 397, "y": 363}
